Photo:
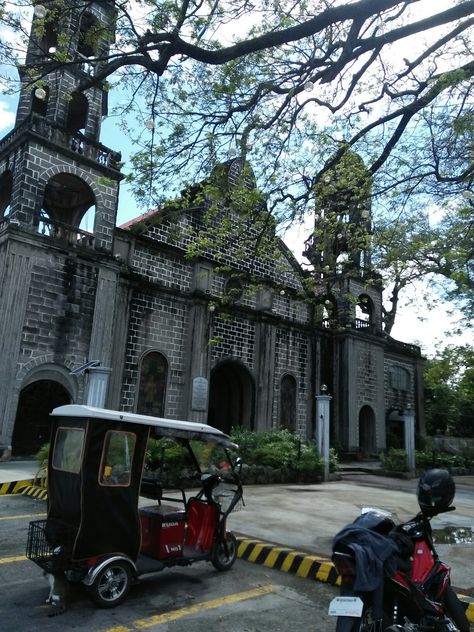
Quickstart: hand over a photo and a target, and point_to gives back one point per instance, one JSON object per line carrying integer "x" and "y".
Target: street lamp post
{"x": 322, "y": 427}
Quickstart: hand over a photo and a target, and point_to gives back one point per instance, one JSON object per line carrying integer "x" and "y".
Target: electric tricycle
{"x": 100, "y": 528}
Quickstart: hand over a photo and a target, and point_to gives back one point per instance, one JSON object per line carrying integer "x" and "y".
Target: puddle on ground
{"x": 454, "y": 535}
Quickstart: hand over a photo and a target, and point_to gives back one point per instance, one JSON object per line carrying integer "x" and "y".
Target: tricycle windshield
{"x": 176, "y": 462}
{"x": 211, "y": 457}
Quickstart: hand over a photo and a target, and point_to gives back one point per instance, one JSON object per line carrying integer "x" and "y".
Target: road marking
{"x": 149, "y": 622}
{"x": 22, "y": 516}
{"x": 9, "y": 560}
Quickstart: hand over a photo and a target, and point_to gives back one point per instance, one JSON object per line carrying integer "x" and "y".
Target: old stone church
{"x": 129, "y": 299}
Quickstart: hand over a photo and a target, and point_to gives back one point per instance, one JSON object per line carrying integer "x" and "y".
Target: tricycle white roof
{"x": 168, "y": 426}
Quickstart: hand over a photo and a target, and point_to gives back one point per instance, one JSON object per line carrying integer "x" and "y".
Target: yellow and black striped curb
{"x": 36, "y": 491}
{"x": 303, "y": 564}
{"x": 14, "y": 487}
{"x": 287, "y": 560}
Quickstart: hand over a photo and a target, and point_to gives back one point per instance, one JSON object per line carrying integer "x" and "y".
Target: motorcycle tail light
{"x": 345, "y": 566}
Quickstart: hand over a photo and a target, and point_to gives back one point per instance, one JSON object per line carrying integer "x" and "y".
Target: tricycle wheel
{"x": 225, "y": 553}
{"x": 112, "y": 584}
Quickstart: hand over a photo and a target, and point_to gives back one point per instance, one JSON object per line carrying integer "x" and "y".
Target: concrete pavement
{"x": 291, "y": 527}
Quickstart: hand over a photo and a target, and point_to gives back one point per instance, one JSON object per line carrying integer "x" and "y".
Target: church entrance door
{"x": 231, "y": 396}
{"x": 32, "y": 425}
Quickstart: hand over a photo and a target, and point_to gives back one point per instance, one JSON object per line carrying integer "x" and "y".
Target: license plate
{"x": 346, "y": 607}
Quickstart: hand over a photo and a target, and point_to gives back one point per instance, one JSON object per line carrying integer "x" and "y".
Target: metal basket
{"x": 225, "y": 494}
{"x": 50, "y": 545}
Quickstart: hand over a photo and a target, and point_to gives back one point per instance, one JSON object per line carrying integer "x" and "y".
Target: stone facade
{"x": 178, "y": 342}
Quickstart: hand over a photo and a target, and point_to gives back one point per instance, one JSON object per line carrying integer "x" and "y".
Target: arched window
{"x": 39, "y": 101}
{"x": 67, "y": 200}
{"x": 49, "y": 41}
{"x": 88, "y": 35}
{"x": 288, "y": 403}
{"x": 77, "y": 114}
{"x": 152, "y": 387}
{"x": 6, "y": 186}
{"x": 364, "y": 311}
{"x": 328, "y": 311}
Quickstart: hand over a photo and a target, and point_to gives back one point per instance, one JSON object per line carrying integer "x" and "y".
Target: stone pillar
{"x": 198, "y": 369}
{"x": 96, "y": 388}
{"x": 409, "y": 421}
{"x": 101, "y": 343}
{"x": 265, "y": 374}
{"x": 322, "y": 430}
{"x": 14, "y": 288}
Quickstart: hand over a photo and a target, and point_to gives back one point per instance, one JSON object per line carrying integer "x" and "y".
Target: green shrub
{"x": 436, "y": 458}
{"x": 43, "y": 453}
{"x": 282, "y": 449}
{"x": 394, "y": 460}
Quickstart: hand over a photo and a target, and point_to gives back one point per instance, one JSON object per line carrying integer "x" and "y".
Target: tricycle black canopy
{"x": 97, "y": 530}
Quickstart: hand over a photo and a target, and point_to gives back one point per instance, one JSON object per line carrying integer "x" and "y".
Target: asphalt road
{"x": 248, "y": 598}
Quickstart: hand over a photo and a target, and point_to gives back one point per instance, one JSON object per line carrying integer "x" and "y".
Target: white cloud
{"x": 7, "y": 118}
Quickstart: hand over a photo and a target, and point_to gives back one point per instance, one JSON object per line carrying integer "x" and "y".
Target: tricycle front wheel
{"x": 225, "y": 553}
{"x": 112, "y": 585}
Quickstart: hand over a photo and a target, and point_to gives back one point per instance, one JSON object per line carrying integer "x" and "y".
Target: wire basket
{"x": 50, "y": 544}
{"x": 228, "y": 497}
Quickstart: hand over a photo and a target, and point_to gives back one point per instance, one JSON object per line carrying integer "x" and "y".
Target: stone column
{"x": 322, "y": 429}
{"x": 409, "y": 421}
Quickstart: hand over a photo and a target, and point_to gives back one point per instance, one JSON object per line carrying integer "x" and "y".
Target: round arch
{"x": 32, "y": 424}
{"x": 365, "y": 309}
{"x": 231, "y": 396}
{"x": 367, "y": 430}
{"x": 43, "y": 388}
{"x": 67, "y": 198}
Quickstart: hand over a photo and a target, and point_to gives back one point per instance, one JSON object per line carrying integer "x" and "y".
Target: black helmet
{"x": 435, "y": 491}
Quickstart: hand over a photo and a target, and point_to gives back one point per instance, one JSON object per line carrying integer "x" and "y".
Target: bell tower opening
{"x": 68, "y": 203}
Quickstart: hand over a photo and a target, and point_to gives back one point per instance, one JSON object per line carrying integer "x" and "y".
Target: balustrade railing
{"x": 71, "y": 234}
{"x": 76, "y": 142}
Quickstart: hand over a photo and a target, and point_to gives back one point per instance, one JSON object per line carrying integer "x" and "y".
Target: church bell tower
{"x": 55, "y": 175}
{"x": 59, "y": 189}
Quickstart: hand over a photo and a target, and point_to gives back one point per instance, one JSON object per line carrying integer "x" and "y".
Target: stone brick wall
{"x": 395, "y": 398}
{"x": 293, "y": 356}
{"x": 59, "y": 311}
{"x": 157, "y": 323}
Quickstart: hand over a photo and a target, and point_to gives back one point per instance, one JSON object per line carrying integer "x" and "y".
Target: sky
{"x": 415, "y": 322}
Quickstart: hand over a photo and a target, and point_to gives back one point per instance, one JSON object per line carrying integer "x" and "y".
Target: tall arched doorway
{"x": 32, "y": 424}
{"x": 367, "y": 433}
{"x": 231, "y": 396}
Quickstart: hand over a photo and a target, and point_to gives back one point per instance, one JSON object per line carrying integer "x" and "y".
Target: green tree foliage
{"x": 449, "y": 392}
{"x": 293, "y": 87}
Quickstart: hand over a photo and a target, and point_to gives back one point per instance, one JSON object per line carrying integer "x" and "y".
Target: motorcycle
{"x": 391, "y": 576}
{"x": 99, "y": 532}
